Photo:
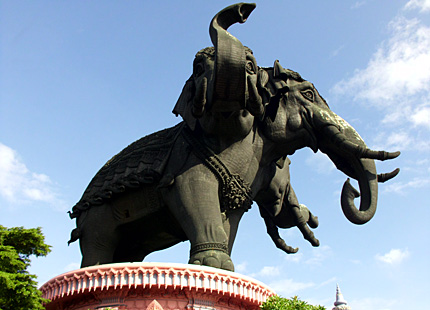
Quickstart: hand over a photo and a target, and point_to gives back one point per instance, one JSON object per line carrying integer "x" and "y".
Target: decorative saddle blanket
{"x": 142, "y": 162}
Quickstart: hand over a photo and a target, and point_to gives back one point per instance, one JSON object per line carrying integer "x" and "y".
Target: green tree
{"x": 279, "y": 303}
{"x": 18, "y": 288}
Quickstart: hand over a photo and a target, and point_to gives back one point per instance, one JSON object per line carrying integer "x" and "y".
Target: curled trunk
{"x": 228, "y": 90}
{"x": 365, "y": 173}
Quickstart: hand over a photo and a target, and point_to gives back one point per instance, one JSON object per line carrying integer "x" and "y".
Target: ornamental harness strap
{"x": 234, "y": 192}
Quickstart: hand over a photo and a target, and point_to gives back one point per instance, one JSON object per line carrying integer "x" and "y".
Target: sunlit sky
{"x": 81, "y": 80}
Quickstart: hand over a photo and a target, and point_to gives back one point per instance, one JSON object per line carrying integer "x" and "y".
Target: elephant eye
{"x": 308, "y": 94}
{"x": 198, "y": 69}
{"x": 250, "y": 67}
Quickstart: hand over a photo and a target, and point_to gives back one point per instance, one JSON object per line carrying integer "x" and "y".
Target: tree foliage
{"x": 279, "y": 303}
{"x": 18, "y": 288}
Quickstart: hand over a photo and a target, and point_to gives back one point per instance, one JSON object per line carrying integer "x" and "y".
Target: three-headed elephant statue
{"x": 194, "y": 181}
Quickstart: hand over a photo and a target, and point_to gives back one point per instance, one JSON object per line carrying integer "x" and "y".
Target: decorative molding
{"x": 200, "y": 286}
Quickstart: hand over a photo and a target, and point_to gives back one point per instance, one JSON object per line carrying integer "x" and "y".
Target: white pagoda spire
{"x": 340, "y": 303}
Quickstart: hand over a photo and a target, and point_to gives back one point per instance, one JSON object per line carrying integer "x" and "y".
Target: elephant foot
{"x": 313, "y": 221}
{"x": 211, "y": 254}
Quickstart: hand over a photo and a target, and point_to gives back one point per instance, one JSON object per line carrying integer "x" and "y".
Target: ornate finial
{"x": 340, "y": 303}
{"x": 154, "y": 305}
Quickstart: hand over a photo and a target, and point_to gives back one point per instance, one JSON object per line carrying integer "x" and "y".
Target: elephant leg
{"x": 231, "y": 225}
{"x": 193, "y": 200}
{"x": 99, "y": 237}
{"x": 301, "y": 216}
{"x": 273, "y": 232}
{"x": 313, "y": 220}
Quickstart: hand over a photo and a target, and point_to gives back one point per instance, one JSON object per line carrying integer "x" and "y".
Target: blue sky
{"x": 81, "y": 80}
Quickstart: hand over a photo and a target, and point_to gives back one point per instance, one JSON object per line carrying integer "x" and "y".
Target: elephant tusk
{"x": 342, "y": 141}
{"x": 200, "y": 99}
{"x": 380, "y": 155}
{"x": 383, "y": 177}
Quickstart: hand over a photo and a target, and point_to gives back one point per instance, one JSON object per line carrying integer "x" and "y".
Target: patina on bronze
{"x": 194, "y": 181}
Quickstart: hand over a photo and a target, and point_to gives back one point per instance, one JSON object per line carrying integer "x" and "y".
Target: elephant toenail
{"x": 212, "y": 262}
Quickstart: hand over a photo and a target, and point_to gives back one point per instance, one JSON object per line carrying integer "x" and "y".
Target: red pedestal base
{"x": 154, "y": 286}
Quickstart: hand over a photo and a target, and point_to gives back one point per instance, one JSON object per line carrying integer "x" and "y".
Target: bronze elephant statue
{"x": 194, "y": 181}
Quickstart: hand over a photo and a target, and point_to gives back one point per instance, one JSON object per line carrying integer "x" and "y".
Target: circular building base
{"x": 154, "y": 286}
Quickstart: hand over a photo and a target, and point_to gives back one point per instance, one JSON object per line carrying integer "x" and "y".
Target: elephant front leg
{"x": 301, "y": 216}
{"x": 273, "y": 232}
{"x": 193, "y": 200}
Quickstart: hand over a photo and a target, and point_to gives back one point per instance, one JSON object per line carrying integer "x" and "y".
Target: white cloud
{"x": 422, "y": 162}
{"x": 399, "y": 68}
{"x": 396, "y": 80}
{"x": 422, "y": 5}
{"x": 320, "y": 163}
{"x": 18, "y": 184}
{"x": 294, "y": 258}
{"x": 242, "y": 267}
{"x": 372, "y": 304}
{"x": 398, "y": 140}
{"x": 395, "y": 256}
{"x": 337, "y": 51}
{"x": 402, "y": 140}
{"x": 72, "y": 266}
{"x": 418, "y": 167}
{"x": 400, "y": 187}
{"x": 421, "y": 116}
{"x": 358, "y": 4}
{"x": 329, "y": 281}
{"x": 319, "y": 255}
{"x": 269, "y": 271}
{"x": 288, "y": 287}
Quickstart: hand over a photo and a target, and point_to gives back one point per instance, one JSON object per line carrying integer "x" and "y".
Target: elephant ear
{"x": 184, "y": 104}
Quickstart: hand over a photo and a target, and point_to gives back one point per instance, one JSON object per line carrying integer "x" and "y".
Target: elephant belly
{"x": 138, "y": 238}
{"x": 144, "y": 224}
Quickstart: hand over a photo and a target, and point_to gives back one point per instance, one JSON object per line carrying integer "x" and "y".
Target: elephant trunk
{"x": 350, "y": 154}
{"x": 229, "y": 86}
{"x": 368, "y": 183}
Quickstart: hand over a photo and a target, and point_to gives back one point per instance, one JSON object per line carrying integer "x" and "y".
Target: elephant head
{"x": 221, "y": 96}
{"x": 228, "y": 93}
{"x": 297, "y": 116}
